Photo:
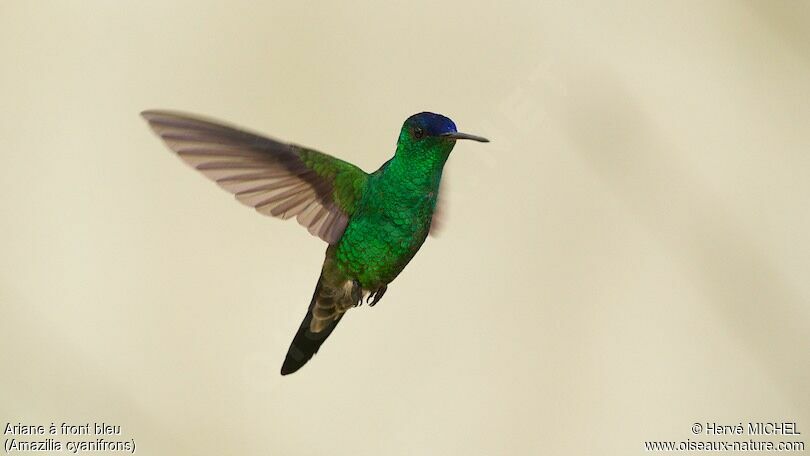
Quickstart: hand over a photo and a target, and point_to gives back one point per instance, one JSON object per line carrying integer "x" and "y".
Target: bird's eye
{"x": 418, "y": 133}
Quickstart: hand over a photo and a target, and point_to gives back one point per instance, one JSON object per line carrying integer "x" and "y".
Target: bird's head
{"x": 431, "y": 133}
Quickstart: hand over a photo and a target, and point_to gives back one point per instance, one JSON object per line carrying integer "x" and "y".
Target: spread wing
{"x": 278, "y": 179}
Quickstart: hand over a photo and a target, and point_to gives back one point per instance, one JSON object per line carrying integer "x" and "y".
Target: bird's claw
{"x": 376, "y": 296}
{"x": 357, "y": 293}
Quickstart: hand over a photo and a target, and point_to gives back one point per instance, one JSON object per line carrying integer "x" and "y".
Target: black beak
{"x": 459, "y": 135}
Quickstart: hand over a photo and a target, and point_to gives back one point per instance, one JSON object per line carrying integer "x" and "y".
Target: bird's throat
{"x": 415, "y": 174}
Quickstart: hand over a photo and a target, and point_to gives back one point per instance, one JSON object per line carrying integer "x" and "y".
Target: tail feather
{"x": 306, "y": 342}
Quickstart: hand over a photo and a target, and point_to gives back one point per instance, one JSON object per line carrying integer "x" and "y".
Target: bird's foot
{"x": 376, "y": 296}
{"x": 357, "y": 293}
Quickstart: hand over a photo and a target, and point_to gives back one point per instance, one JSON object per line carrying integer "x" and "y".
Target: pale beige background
{"x": 628, "y": 256}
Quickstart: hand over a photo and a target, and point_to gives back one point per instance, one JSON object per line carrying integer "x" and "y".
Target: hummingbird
{"x": 374, "y": 223}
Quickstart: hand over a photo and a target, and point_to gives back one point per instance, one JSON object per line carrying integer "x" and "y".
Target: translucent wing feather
{"x": 439, "y": 218}
{"x": 277, "y": 179}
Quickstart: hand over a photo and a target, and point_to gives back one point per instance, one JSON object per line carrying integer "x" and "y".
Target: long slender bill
{"x": 459, "y": 135}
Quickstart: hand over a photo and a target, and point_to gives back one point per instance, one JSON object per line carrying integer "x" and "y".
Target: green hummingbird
{"x": 374, "y": 223}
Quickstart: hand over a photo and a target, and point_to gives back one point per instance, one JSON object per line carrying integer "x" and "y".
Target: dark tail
{"x": 306, "y": 343}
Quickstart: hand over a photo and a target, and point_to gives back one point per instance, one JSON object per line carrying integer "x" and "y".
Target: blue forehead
{"x": 433, "y": 124}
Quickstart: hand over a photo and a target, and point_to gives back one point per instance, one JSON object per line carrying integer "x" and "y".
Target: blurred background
{"x": 628, "y": 256}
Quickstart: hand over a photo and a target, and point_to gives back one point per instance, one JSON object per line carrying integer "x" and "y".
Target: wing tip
{"x": 168, "y": 118}
{"x": 156, "y": 117}
{"x": 151, "y": 114}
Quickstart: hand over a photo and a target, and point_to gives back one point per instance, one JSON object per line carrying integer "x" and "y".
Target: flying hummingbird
{"x": 374, "y": 223}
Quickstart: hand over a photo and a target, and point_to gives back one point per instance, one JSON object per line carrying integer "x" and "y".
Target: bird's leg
{"x": 377, "y": 295}
{"x": 357, "y": 293}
